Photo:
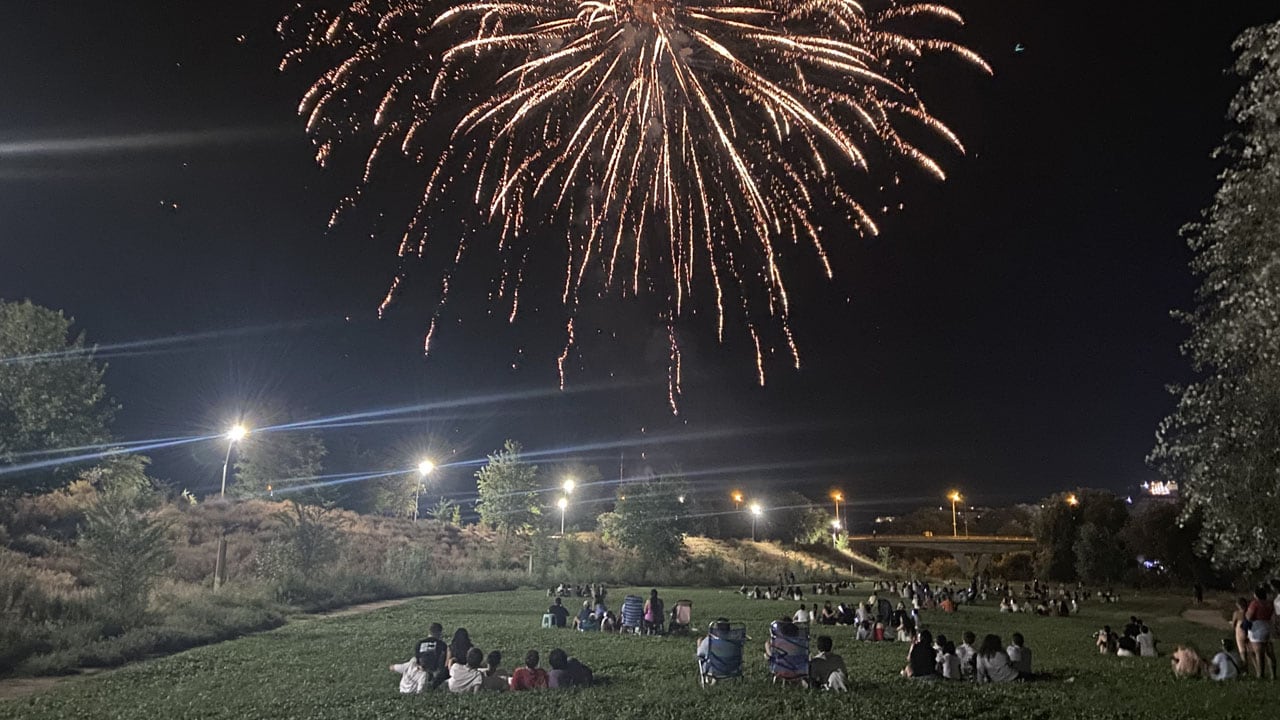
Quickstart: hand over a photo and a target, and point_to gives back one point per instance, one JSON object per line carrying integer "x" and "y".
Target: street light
{"x": 755, "y": 513}
{"x": 569, "y": 485}
{"x": 1072, "y": 500}
{"x": 234, "y": 435}
{"x": 736, "y": 495}
{"x": 835, "y": 532}
{"x": 425, "y": 467}
{"x": 838, "y": 497}
{"x": 954, "y": 497}
{"x": 563, "y": 504}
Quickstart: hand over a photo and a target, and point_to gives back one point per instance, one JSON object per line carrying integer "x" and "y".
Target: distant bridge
{"x": 972, "y": 552}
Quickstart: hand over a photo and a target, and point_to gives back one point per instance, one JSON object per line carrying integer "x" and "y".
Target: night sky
{"x": 1007, "y": 334}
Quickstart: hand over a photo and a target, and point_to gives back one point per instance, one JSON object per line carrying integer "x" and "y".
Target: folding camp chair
{"x": 681, "y": 617}
{"x": 632, "y": 614}
{"x": 789, "y": 653}
{"x": 723, "y": 660}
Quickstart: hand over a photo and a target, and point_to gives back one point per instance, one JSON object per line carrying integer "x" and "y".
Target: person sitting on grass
{"x": 579, "y": 674}
{"x": 459, "y": 646}
{"x": 801, "y": 616}
{"x": 827, "y": 669}
{"x": 1186, "y": 662}
{"x": 1146, "y": 642}
{"x": 968, "y": 653}
{"x": 494, "y": 677}
{"x": 583, "y": 618}
{"x": 1105, "y": 640}
{"x": 558, "y": 676}
{"x": 414, "y": 673}
{"x": 529, "y": 676}
{"x": 1019, "y": 655}
{"x": 1127, "y": 647}
{"x": 1226, "y": 664}
{"x": 922, "y": 659}
{"x": 559, "y": 614}
{"x": 828, "y": 616}
{"x": 993, "y": 664}
{"x": 863, "y": 632}
{"x": 433, "y": 653}
{"x": 469, "y": 676}
{"x": 949, "y": 662}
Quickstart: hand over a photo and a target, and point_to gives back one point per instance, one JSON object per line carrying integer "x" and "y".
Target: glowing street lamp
{"x": 563, "y": 504}
{"x": 954, "y": 497}
{"x": 835, "y": 532}
{"x": 1072, "y": 500}
{"x": 569, "y": 485}
{"x": 234, "y": 435}
{"x": 736, "y": 496}
{"x": 755, "y": 513}
{"x": 426, "y": 466}
{"x": 838, "y": 497}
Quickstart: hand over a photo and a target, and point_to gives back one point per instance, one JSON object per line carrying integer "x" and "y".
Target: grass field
{"x": 337, "y": 668}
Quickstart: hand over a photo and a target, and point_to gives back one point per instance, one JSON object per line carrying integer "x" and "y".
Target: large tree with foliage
{"x": 51, "y": 393}
{"x": 1222, "y": 442}
{"x": 1079, "y": 536}
{"x": 649, "y": 519}
{"x": 792, "y": 517}
{"x": 286, "y": 462}
{"x": 508, "y": 488}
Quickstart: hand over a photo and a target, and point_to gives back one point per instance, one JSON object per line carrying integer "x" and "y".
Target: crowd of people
{"x": 462, "y": 667}
{"x": 1250, "y": 649}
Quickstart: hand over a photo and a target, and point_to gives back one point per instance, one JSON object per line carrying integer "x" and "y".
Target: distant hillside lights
{"x": 1161, "y": 488}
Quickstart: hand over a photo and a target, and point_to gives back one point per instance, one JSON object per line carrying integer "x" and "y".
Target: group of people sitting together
{"x": 1136, "y": 640}
{"x": 463, "y": 667}
{"x": 791, "y": 591}
{"x": 989, "y": 662}
{"x": 1249, "y": 651}
{"x": 641, "y": 616}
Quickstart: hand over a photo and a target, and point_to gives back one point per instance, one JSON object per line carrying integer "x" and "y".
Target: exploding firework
{"x": 673, "y": 141}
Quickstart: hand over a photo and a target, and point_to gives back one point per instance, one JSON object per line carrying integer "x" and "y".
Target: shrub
{"x": 125, "y": 552}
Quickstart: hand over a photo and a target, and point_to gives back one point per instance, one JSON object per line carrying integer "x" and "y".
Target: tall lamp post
{"x": 425, "y": 467}
{"x": 736, "y": 496}
{"x": 954, "y": 497}
{"x": 234, "y": 435}
{"x": 563, "y": 504}
{"x": 835, "y": 533}
{"x": 755, "y": 513}
{"x": 838, "y": 497}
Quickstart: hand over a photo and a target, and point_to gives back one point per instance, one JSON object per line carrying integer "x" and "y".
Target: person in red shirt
{"x": 1259, "y": 615}
{"x": 530, "y": 676}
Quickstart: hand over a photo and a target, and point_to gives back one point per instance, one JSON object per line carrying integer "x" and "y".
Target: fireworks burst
{"x": 672, "y": 140}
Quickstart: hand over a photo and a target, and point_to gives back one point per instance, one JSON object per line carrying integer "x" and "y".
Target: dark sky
{"x": 1007, "y": 334}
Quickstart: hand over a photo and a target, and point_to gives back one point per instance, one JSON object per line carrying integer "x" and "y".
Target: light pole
{"x": 954, "y": 497}
{"x": 755, "y": 513}
{"x": 736, "y": 495}
{"x": 835, "y": 533}
{"x": 425, "y": 468}
{"x": 838, "y": 497}
{"x": 563, "y": 504}
{"x": 234, "y": 435}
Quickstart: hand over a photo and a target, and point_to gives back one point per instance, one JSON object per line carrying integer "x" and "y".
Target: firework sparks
{"x": 670, "y": 139}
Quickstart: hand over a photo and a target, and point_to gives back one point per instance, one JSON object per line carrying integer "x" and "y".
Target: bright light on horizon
{"x": 756, "y": 509}
{"x": 237, "y": 432}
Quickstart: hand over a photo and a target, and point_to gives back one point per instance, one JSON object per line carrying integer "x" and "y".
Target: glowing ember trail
{"x": 667, "y": 138}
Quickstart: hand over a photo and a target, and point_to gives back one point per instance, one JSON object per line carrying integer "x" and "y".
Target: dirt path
{"x": 20, "y": 687}
{"x": 1205, "y": 616}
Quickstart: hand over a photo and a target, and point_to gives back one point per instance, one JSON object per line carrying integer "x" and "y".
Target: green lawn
{"x": 337, "y": 668}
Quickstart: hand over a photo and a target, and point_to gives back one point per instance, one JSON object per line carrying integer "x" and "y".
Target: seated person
{"x": 1127, "y": 647}
{"x": 433, "y": 653}
{"x": 829, "y": 616}
{"x": 827, "y": 669}
{"x": 863, "y": 632}
{"x": 949, "y": 662}
{"x": 579, "y": 674}
{"x": 1226, "y": 664}
{"x": 468, "y": 676}
{"x": 559, "y": 614}
{"x": 529, "y": 676}
{"x": 1186, "y": 662}
{"x": 558, "y": 676}
{"x": 414, "y": 673}
{"x": 1105, "y": 640}
{"x": 459, "y": 646}
{"x": 1019, "y": 655}
{"x": 801, "y": 616}
{"x": 1146, "y": 642}
{"x": 786, "y": 628}
{"x": 968, "y": 653}
{"x": 609, "y": 622}
{"x": 494, "y": 677}
{"x": 583, "y": 616}
{"x": 922, "y": 659}
{"x": 993, "y": 664}
{"x": 948, "y": 605}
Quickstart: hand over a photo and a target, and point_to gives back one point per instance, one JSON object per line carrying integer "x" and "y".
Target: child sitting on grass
{"x": 530, "y": 676}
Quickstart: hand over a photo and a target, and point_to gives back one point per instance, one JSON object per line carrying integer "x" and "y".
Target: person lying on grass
{"x": 468, "y": 676}
{"x": 414, "y": 673}
{"x": 529, "y": 676}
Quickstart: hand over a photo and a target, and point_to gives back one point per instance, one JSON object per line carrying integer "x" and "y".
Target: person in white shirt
{"x": 967, "y": 653}
{"x": 469, "y": 676}
{"x": 801, "y": 616}
{"x": 1019, "y": 655}
{"x": 949, "y": 662}
{"x": 413, "y": 676}
{"x": 993, "y": 664}
{"x": 1225, "y": 665}
{"x": 1146, "y": 642}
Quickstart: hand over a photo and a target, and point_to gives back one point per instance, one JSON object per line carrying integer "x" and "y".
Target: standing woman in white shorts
{"x": 1259, "y": 615}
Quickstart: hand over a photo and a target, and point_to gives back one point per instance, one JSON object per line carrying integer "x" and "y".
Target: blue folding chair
{"x": 632, "y": 613}
{"x": 789, "y": 653}
{"x": 725, "y": 642}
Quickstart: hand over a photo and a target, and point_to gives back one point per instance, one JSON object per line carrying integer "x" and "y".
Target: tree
{"x": 285, "y": 462}
{"x": 125, "y": 551}
{"x": 649, "y": 520}
{"x": 1162, "y": 532}
{"x": 508, "y": 489}
{"x": 792, "y": 517}
{"x": 1100, "y": 557}
{"x": 51, "y": 393}
{"x": 1221, "y": 444}
{"x": 1058, "y": 531}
